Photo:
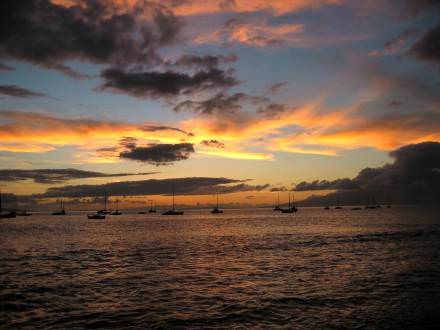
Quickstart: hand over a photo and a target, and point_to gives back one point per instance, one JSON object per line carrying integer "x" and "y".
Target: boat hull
{"x": 173, "y": 213}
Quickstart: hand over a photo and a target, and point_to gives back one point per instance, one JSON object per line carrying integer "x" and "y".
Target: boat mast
{"x": 217, "y": 200}
{"x": 173, "y": 196}
{"x": 1, "y": 200}
{"x": 105, "y": 201}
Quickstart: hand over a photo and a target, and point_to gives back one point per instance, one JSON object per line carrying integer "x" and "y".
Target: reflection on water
{"x": 315, "y": 269}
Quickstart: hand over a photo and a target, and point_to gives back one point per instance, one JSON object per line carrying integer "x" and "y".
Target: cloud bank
{"x": 182, "y": 186}
{"x": 414, "y": 176}
{"x": 51, "y": 176}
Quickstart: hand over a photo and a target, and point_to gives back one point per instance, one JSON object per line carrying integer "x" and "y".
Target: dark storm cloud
{"x": 19, "y": 92}
{"x": 204, "y": 62}
{"x": 50, "y": 176}
{"x": 158, "y": 154}
{"x": 219, "y": 103}
{"x": 46, "y": 34}
{"x": 428, "y": 47}
{"x": 4, "y": 67}
{"x": 155, "y": 84}
{"x": 213, "y": 144}
{"x": 414, "y": 176}
{"x": 417, "y": 6}
{"x": 182, "y": 186}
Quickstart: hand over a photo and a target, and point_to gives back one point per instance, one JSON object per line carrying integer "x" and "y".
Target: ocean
{"x": 248, "y": 268}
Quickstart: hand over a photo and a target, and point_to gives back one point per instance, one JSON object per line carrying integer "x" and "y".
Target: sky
{"x": 245, "y": 98}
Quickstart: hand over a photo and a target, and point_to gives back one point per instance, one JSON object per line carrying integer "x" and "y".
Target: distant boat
{"x": 142, "y": 212}
{"x": 62, "y": 211}
{"x": 277, "y": 207}
{"x": 292, "y": 208}
{"x": 356, "y": 208}
{"x": 371, "y": 204}
{"x": 96, "y": 216}
{"x": 152, "y": 209}
{"x": 24, "y": 214}
{"x": 6, "y": 214}
{"x": 326, "y": 207}
{"x": 116, "y": 212}
{"x": 216, "y": 210}
{"x": 338, "y": 206}
{"x": 173, "y": 210}
{"x": 104, "y": 210}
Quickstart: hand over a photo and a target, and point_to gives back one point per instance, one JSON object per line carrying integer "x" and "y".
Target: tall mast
{"x": 0, "y": 199}
{"x": 105, "y": 201}
{"x": 278, "y": 200}
{"x": 173, "y": 196}
{"x": 217, "y": 200}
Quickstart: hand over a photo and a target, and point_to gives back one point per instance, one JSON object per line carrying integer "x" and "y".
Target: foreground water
{"x": 377, "y": 269}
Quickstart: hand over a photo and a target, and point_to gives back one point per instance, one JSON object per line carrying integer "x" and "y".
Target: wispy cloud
{"x": 18, "y": 92}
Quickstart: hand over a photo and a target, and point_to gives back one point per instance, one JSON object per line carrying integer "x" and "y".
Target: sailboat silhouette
{"x": 216, "y": 210}
{"x": 173, "y": 210}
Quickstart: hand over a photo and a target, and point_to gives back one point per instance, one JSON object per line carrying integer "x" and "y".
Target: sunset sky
{"x": 251, "y": 96}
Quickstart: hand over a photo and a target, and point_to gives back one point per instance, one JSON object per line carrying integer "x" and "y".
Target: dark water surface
{"x": 369, "y": 269}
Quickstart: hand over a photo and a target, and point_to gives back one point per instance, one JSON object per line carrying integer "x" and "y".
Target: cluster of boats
{"x": 101, "y": 214}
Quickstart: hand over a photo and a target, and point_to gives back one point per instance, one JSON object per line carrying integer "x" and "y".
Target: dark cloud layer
{"x": 46, "y": 34}
{"x": 414, "y": 176}
{"x": 428, "y": 47}
{"x": 19, "y": 92}
{"x": 158, "y": 154}
{"x": 4, "y": 68}
{"x": 182, "y": 186}
{"x": 203, "y": 62}
{"x": 50, "y": 176}
{"x": 219, "y": 103}
{"x": 326, "y": 185}
{"x": 155, "y": 84}
{"x": 417, "y": 6}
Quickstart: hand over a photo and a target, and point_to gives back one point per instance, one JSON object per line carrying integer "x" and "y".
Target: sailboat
{"x": 173, "y": 210}
{"x": 116, "y": 212}
{"x": 292, "y": 208}
{"x": 7, "y": 214}
{"x": 62, "y": 211}
{"x": 277, "y": 207}
{"x": 216, "y": 210}
{"x": 104, "y": 210}
{"x": 23, "y": 213}
{"x": 152, "y": 209}
{"x": 96, "y": 216}
{"x": 338, "y": 206}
